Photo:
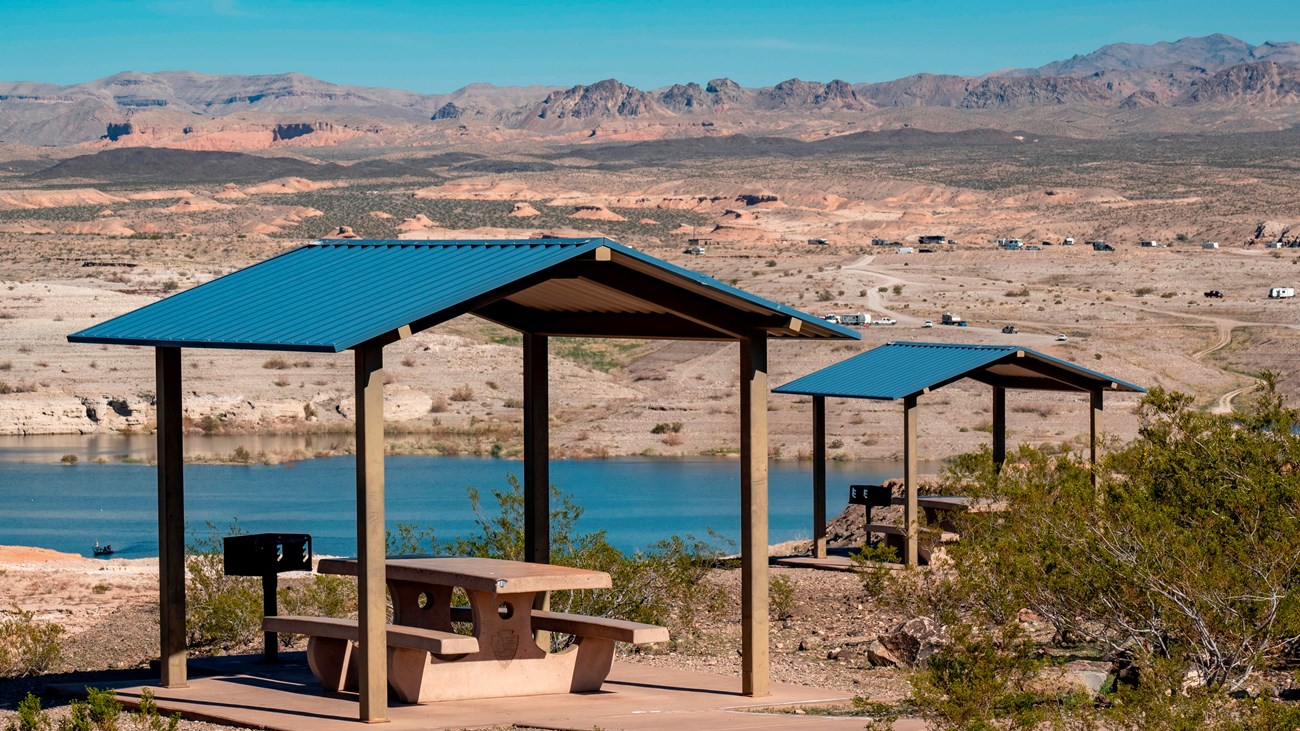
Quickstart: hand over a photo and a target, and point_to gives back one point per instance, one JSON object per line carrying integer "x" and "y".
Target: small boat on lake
{"x": 104, "y": 550}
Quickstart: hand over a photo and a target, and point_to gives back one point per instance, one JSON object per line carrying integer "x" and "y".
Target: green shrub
{"x": 781, "y": 596}
{"x": 28, "y": 647}
{"x": 323, "y": 595}
{"x": 222, "y": 612}
{"x": 666, "y": 428}
{"x": 148, "y": 718}
{"x": 1184, "y": 553}
{"x": 30, "y": 716}
{"x": 663, "y": 585}
{"x": 987, "y": 681}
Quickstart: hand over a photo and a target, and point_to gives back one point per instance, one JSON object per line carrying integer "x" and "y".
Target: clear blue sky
{"x": 439, "y": 46}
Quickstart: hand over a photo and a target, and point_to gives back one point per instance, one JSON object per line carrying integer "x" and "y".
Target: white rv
{"x": 1277, "y": 293}
{"x": 1210, "y": 245}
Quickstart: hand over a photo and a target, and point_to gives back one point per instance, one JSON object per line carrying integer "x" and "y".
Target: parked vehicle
{"x": 1102, "y": 246}
{"x": 696, "y": 250}
{"x": 951, "y": 319}
{"x": 832, "y": 319}
{"x": 928, "y": 323}
{"x": 1277, "y": 293}
{"x": 1010, "y": 330}
{"x": 818, "y": 242}
{"x": 1210, "y": 245}
{"x": 1061, "y": 338}
{"x": 906, "y": 250}
{"x": 886, "y": 321}
{"x": 855, "y": 318}
{"x": 1214, "y": 294}
{"x": 1069, "y": 241}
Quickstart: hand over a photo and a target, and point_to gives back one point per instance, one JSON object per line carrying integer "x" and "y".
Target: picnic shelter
{"x": 908, "y": 370}
{"x": 361, "y": 295}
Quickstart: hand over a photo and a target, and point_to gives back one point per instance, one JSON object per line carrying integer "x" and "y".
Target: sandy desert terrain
{"x": 1136, "y": 313}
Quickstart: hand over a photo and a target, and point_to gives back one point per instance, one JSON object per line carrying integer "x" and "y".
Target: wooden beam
{"x": 1096, "y": 401}
{"x": 755, "y": 671}
{"x": 537, "y": 451}
{"x": 563, "y": 270}
{"x": 372, "y": 676}
{"x": 597, "y": 324}
{"x": 1026, "y": 383}
{"x": 682, "y": 302}
{"x": 171, "y": 518}
{"x": 999, "y": 427}
{"x": 819, "y": 476}
{"x": 910, "y": 522}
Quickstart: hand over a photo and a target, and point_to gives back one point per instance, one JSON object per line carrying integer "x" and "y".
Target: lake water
{"x": 637, "y": 500}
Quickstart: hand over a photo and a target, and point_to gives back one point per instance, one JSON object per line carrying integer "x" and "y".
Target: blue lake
{"x": 637, "y": 500}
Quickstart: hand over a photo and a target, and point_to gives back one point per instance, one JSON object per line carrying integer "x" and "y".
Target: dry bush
{"x": 276, "y": 364}
{"x": 462, "y": 393}
{"x": 28, "y": 647}
{"x": 438, "y": 404}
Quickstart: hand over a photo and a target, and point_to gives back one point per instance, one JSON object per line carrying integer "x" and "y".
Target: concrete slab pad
{"x": 284, "y": 697}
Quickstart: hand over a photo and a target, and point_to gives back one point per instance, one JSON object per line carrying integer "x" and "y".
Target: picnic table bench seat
{"x": 416, "y": 638}
{"x": 330, "y": 640}
{"x": 582, "y": 625}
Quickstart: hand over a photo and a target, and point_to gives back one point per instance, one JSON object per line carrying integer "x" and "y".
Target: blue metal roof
{"x": 899, "y": 369}
{"x": 329, "y": 296}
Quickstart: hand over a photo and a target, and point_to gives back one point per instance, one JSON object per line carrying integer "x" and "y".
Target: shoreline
{"x": 81, "y": 448}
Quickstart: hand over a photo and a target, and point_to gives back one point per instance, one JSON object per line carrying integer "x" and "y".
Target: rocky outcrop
{"x": 448, "y": 111}
{"x": 919, "y": 90}
{"x": 291, "y": 130}
{"x": 799, "y": 94}
{"x": 727, "y": 91}
{"x": 687, "y": 98}
{"x": 1140, "y": 100}
{"x": 117, "y": 130}
{"x": 1028, "y": 92}
{"x": 908, "y": 644}
{"x": 1255, "y": 85}
{"x": 608, "y": 99}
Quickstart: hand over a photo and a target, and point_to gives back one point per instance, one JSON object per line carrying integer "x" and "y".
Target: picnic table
{"x": 429, "y": 661}
{"x": 934, "y": 505}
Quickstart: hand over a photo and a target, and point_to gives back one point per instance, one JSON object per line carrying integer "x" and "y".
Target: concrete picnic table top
{"x": 953, "y": 502}
{"x": 494, "y": 575}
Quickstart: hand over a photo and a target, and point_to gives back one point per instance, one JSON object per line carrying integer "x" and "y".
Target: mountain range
{"x": 1215, "y": 78}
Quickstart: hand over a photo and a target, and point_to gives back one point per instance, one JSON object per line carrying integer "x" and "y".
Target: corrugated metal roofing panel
{"x": 332, "y": 295}
{"x": 899, "y": 369}
{"x": 329, "y": 296}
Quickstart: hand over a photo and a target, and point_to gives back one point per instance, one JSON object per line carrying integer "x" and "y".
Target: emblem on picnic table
{"x": 505, "y": 644}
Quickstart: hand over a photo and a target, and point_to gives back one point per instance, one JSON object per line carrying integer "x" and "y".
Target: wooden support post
{"x": 999, "y": 427}
{"x": 270, "y": 608}
{"x": 537, "y": 465}
{"x": 819, "y": 476}
{"x": 372, "y": 676}
{"x": 171, "y": 518}
{"x": 755, "y": 673}
{"x": 537, "y": 451}
{"x": 1096, "y": 401}
{"x": 910, "y": 522}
